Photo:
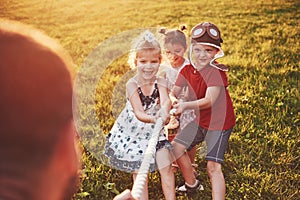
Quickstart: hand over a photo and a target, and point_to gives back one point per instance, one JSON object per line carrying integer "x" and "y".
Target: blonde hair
{"x": 145, "y": 42}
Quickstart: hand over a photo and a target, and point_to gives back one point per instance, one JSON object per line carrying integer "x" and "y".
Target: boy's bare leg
{"x": 217, "y": 180}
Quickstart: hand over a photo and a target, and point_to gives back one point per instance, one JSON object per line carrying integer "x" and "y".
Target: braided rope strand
{"x": 150, "y": 151}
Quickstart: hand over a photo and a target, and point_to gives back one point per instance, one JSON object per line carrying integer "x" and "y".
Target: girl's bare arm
{"x": 135, "y": 101}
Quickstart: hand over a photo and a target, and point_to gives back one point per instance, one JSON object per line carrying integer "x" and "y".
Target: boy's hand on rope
{"x": 178, "y": 108}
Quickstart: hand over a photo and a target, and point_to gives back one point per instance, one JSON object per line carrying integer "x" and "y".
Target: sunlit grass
{"x": 261, "y": 43}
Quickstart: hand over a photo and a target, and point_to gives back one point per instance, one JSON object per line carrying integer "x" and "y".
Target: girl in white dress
{"x": 175, "y": 46}
{"x": 146, "y": 99}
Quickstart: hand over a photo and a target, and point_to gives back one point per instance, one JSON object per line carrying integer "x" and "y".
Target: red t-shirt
{"x": 221, "y": 115}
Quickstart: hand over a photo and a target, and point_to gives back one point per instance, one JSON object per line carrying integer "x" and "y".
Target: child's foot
{"x": 186, "y": 188}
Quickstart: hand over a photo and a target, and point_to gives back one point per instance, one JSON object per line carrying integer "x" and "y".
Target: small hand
{"x": 179, "y": 108}
{"x": 172, "y": 111}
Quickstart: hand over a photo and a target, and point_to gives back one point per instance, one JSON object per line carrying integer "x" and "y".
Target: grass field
{"x": 261, "y": 45}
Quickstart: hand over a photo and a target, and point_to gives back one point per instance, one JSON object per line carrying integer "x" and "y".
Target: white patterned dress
{"x": 128, "y": 139}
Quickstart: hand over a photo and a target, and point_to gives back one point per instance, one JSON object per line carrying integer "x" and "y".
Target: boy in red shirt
{"x": 212, "y": 103}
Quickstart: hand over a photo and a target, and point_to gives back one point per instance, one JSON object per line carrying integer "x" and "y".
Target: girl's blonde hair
{"x": 145, "y": 42}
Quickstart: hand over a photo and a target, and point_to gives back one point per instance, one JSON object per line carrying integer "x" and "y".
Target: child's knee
{"x": 179, "y": 149}
{"x": 163, "y": 158}
{"x": 166, "y": 170}
{"x": 213, "y": 168}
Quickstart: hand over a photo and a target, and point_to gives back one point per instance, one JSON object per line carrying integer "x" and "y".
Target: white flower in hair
{"x": 149, "y": 37}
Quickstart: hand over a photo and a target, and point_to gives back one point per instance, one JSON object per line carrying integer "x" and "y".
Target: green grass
{"x": 261, "y": 43}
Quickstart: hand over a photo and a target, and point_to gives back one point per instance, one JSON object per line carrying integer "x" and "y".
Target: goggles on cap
{"x": 212, "y": 31}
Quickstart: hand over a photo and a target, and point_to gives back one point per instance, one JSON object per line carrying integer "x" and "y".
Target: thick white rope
{"x": 148, "y": 156}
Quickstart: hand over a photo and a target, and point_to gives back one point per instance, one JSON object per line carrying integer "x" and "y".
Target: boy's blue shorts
{"x": 216, "y": 140}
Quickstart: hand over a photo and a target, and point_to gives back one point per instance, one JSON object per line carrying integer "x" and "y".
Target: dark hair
{"x": 174, "y": 35}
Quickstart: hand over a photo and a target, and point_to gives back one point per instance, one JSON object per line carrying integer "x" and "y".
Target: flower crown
{"x": 147, "y": 40}
{"x": 148, "y": 36}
